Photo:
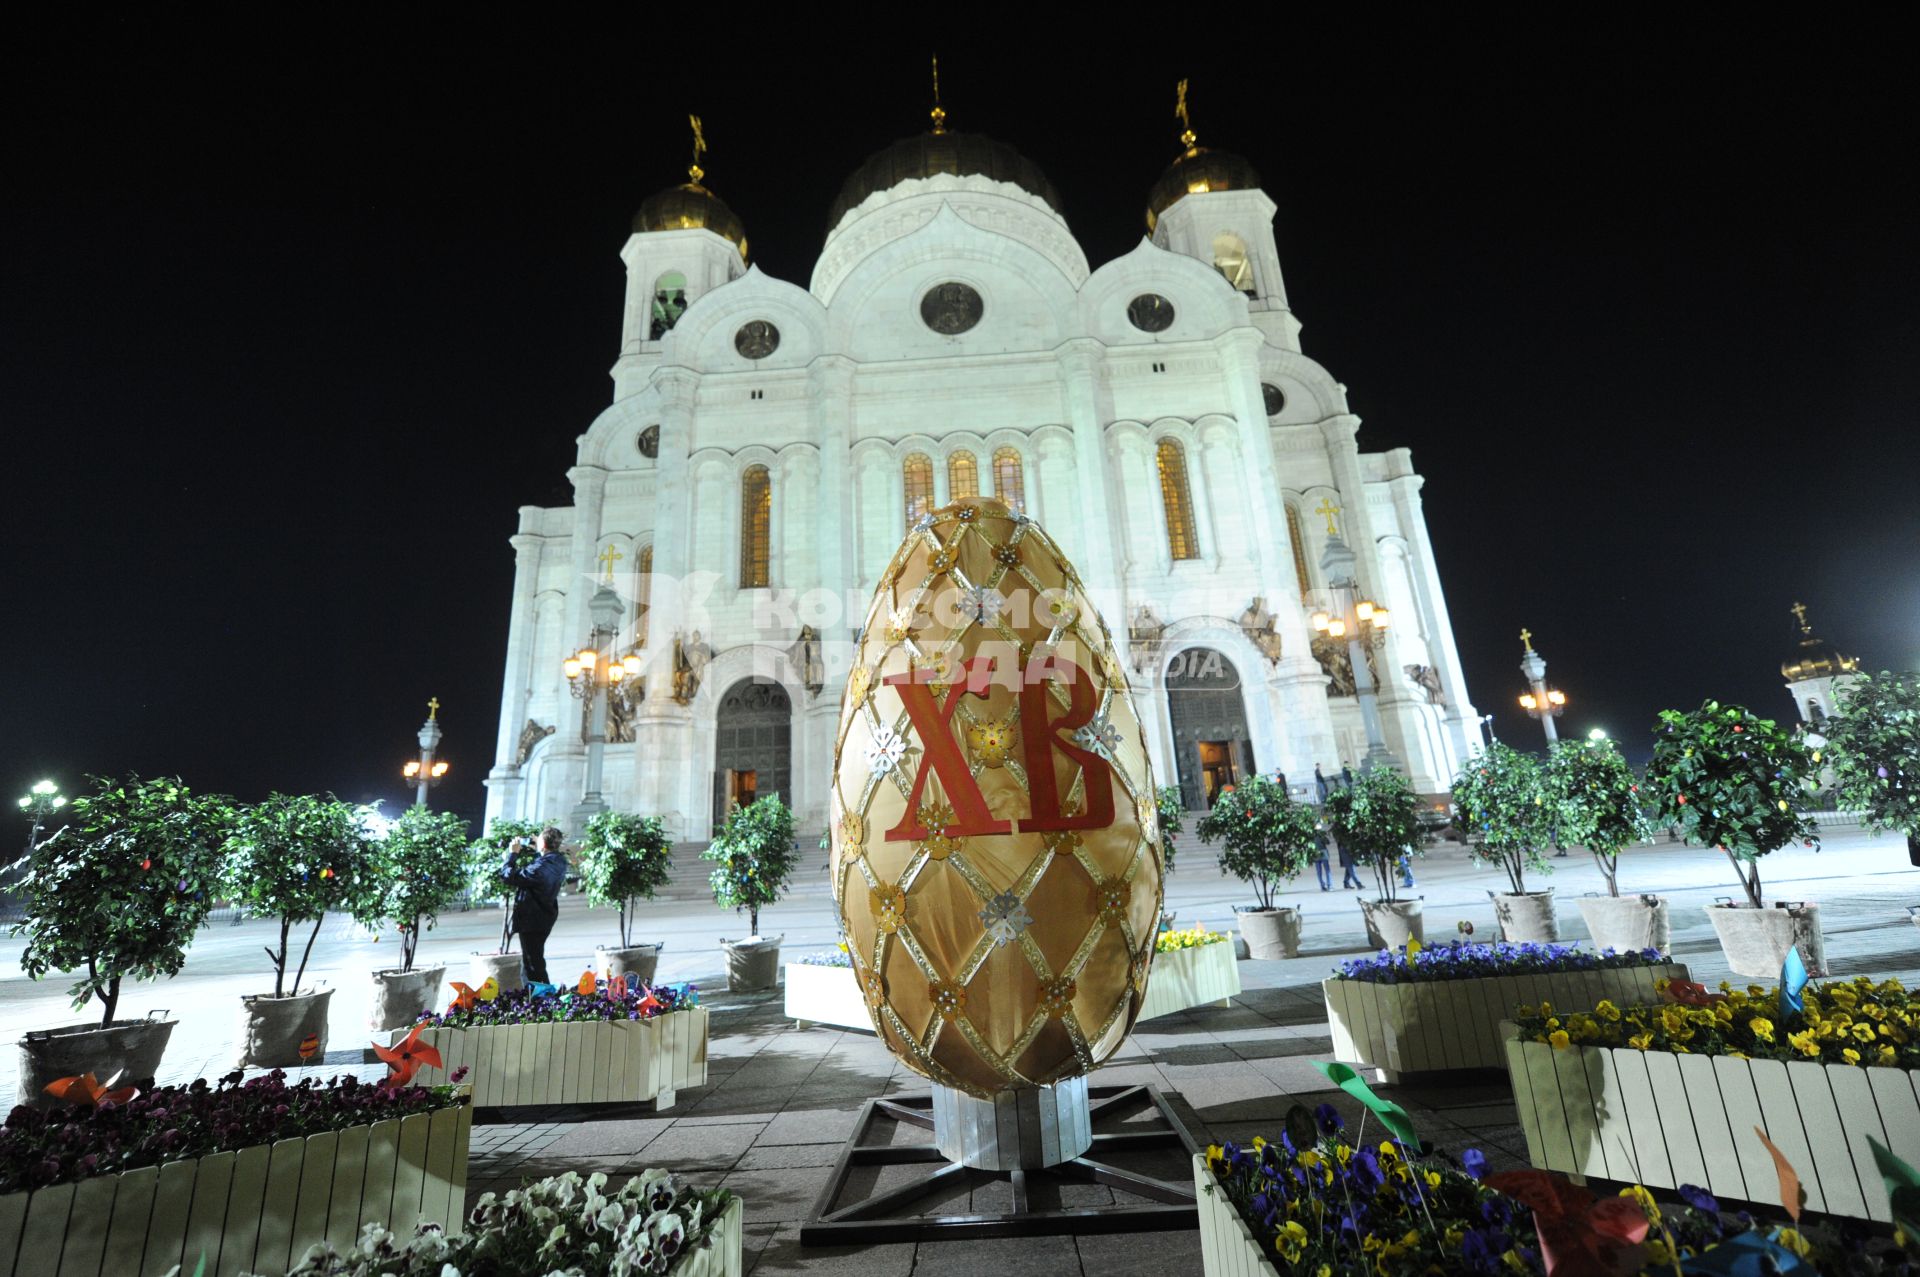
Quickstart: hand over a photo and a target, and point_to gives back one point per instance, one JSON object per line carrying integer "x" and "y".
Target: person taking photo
{"x": 536, "y": 872}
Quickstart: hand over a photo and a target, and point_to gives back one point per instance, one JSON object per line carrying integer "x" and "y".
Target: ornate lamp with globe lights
{"x": 597, "y": 674}
{"x": 1543, "y": 702}
{"x": 1362, "y": 624}
{"x": 426, "y": 771}
{"x": 40, "y": 802}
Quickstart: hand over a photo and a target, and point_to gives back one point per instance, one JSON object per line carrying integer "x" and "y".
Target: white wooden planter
{"x": 584, "y": 1062}
{"x": 1190, "y": 978}
{"x": 1663, "y": 1120}
{"x": 1227, "y": 1245}
{"x": 721, "y": 1254}
{"x": 825, "y": 995}
{"x": 252, "y": 1210}
{"x": 1432, "y": 1025}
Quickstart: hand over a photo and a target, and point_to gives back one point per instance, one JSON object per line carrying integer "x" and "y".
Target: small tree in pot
{"x": 1733, "y": 780}
{"x": 753, "y": 857}
{"x": 1265, "y": 839}
{"x": 292, "y": 859}
{"x": 625, "y": 859}
{"x": 416, "y": 873}
{"x": 1502, "y": 797}
{"x": 1376, "y": 821}
{"x": 118, "y": 893}
{"x": 1597, "y": 803}
{"x": 1873, "y": 746}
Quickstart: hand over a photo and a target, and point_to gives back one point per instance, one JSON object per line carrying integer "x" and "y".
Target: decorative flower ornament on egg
{"x": 995, "y": 857}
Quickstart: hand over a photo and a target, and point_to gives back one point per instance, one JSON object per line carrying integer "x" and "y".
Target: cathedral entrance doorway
{"x": 753, "y": 746}
{"x": 1212, "y": 744}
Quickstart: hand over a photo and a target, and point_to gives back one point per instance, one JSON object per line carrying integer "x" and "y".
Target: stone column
{"x": 661, "y": 728}
{"x": 503, "y": 782}
{"x": 1356, "y": 527}
{"x": 1462, "y": 721}
{"x": 1089, "y": 402}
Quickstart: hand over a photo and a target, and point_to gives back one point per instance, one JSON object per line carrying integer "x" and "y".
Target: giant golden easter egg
{"x": 995, "y": 853}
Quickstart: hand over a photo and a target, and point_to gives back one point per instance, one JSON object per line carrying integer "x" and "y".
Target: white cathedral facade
{"x": 769, "y": 445}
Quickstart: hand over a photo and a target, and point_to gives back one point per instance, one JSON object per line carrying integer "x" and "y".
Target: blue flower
{"x": 1474, "y": 1162}
{"x": 1699, "y": 1198}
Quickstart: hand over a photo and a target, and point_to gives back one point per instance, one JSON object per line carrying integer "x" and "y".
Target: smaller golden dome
{"x": 1197, "y": 171}
{"x": 1814, "y": 657}
{"x": 691, "y": 206}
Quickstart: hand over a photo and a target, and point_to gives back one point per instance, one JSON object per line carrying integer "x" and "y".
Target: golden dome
{"x": 1814, "y": 657}
{"x": 961, "y": 154}
{"x": 1196, "y": 171}
{"x": 691, "y": 206}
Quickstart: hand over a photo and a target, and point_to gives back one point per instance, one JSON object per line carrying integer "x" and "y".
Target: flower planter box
{"x": 1227, "y": 1245}
{"x": 1432, "y": 1025}
{"x": 1190, "y": 978}
{"x": 825, "y": 995}
{"x": 253, "y": 1210}
{"x": 721, "y": 1255}
{"x": 1663, "y": 1120}
{"x": 579, "y": 1062}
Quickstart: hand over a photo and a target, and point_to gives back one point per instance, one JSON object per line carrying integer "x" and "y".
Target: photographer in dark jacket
{"x": 536, "y": 873}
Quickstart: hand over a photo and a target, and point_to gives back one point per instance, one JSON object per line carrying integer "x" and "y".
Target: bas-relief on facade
{"x": 1156, "y": 415}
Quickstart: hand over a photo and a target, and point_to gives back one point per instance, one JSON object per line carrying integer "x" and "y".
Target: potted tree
{"x": 415, "y": 873}
{"x": 624, "y": 859}
{"x": 1733, "y": 780}
{"x": 1265, "y": 839}
{"x": 484, "y": 883}
{"x": 753, "y": 856}
{"x": 1596, "y": 799}
{"x": 1502, "y": 797}
{"x": 292, "y": 859}
{"x": 1170, "y": 820}
{"x": 1873, "y": 746}
{"x": 1376, "y": 820}
{"x": 117, "y": 893}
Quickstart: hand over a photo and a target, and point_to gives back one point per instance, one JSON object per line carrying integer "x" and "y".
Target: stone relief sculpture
{"x": 807, "y": 662}
{"x": 1145, "y": 633}
{"x": 530, "y": 735}
{"x": 1258, "y": 625}
{"x": 691, "y": 657}
{"x": 1428, "y": 678}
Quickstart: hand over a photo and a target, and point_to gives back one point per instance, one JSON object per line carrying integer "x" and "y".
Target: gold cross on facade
{"x": 607, "y": 558}
{"x": 433, "y": 709}
{"x": 1327, "y": 510}
{"x": 1526, "y": 638}
{"x": 694, "y": 170}
{"x": 1799, "y": 611}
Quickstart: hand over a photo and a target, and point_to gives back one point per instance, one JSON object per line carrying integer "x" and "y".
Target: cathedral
{"x": 770, "y": 444}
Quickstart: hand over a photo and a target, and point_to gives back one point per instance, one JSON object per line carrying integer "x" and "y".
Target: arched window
{"x": 963, "y": 476}
{"x": 917, "y": 472}
{"x": 1008, "y": 484}
{"x": 643, "y": 595}
{"x": 1231, "y": 259}
{"x": 756, "y": 526}
{"x": 1177, "y": 500}
{"x": 669, "y": 303}
{"x": 1299, "y": 549}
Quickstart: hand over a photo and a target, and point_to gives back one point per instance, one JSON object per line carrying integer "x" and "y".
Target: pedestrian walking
{"x": 536, "y": 872}
{"x": 1346, "y": 775}
{"x": 1350, "y": 876}
{"x": 1320, "y": 782}
{"x": 1321, "y": 869}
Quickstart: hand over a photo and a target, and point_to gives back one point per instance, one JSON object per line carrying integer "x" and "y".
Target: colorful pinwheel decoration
{"x": 588, "y": 985}
{"x": 405, "y": 1057}
{"x": 86, "y": 1090}
{"x": 1579, "y": 1236}
{"x": 466, "y": 997}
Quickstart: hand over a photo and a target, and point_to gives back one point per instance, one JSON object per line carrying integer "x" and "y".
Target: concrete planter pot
{"x": 1663, "y": 1120}
{"x": 1627, "y": 922}
{"x": 1756, "y": 940}
{"x": 1186, "y": 978}
{"x": 1526, "y": 918}
{"x": 1271, "y": 933}
{"x": 1391, "y": 923}
{"x": 617, "y": 964}
{"x": 255, "y": 1209}
{"x": 129, "y": 1047}
{"x": 504, "y": 967}
{"x": 272, "y": 1030}
{"x": 1431, "y": 1026}
{"x": 825, "y": 995}
{"x": 753, "y": 964}
{"x": 402, "y": 997}
{"x": 573, "y": 1061}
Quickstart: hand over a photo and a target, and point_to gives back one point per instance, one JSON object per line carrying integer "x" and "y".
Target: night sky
{"x": 292, "y": 321}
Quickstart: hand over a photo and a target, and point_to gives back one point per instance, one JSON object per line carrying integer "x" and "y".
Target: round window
{"x": 756, "y": 339}
{"x": 1275, "y": 397}
{"x": 1150, "y": 313}
{"x": 951, "y": 308}
{"x": 650, "y": 441}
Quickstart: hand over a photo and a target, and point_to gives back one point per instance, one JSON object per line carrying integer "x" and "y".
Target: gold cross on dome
{"x": 1327, "y": 510}
{"x": 1526, "y": 637}
{"x": 699, "y": 148}
{"x": 1180, "y": 113}
{"x": 607, "y": 558}
{"x": 939, "y": 113}
{"x": 433, "y": 709}
{"x": 1799, "y": 611}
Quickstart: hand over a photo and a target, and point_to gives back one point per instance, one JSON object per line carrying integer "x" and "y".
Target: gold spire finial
{"x": 694, "y": 171}
{"x": 1187, "y": 138}
{"x": 939, "y": 113}
{"x": 1799, "y": 611}
{"x": 1526, "y": 638}
{"x": 433, "y": 709}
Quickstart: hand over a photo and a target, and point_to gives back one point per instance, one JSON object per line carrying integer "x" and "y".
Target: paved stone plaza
{"x": 780, "y": 1101}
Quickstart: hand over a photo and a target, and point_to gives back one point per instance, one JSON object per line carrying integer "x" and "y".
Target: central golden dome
{"x": 925, "y": 154}
{"x": 1197, "y": 171}
{"x": 691, "y": 206}
{"x": 1814, "y": 657}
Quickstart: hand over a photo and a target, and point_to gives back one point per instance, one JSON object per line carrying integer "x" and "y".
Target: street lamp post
{"x": 41, "y": 802}
{"x": 426, "y": 771}
{"x": 1543, "y": 702}
{"x": 1362, "y": 623}
{"x": 595, "y": 674}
